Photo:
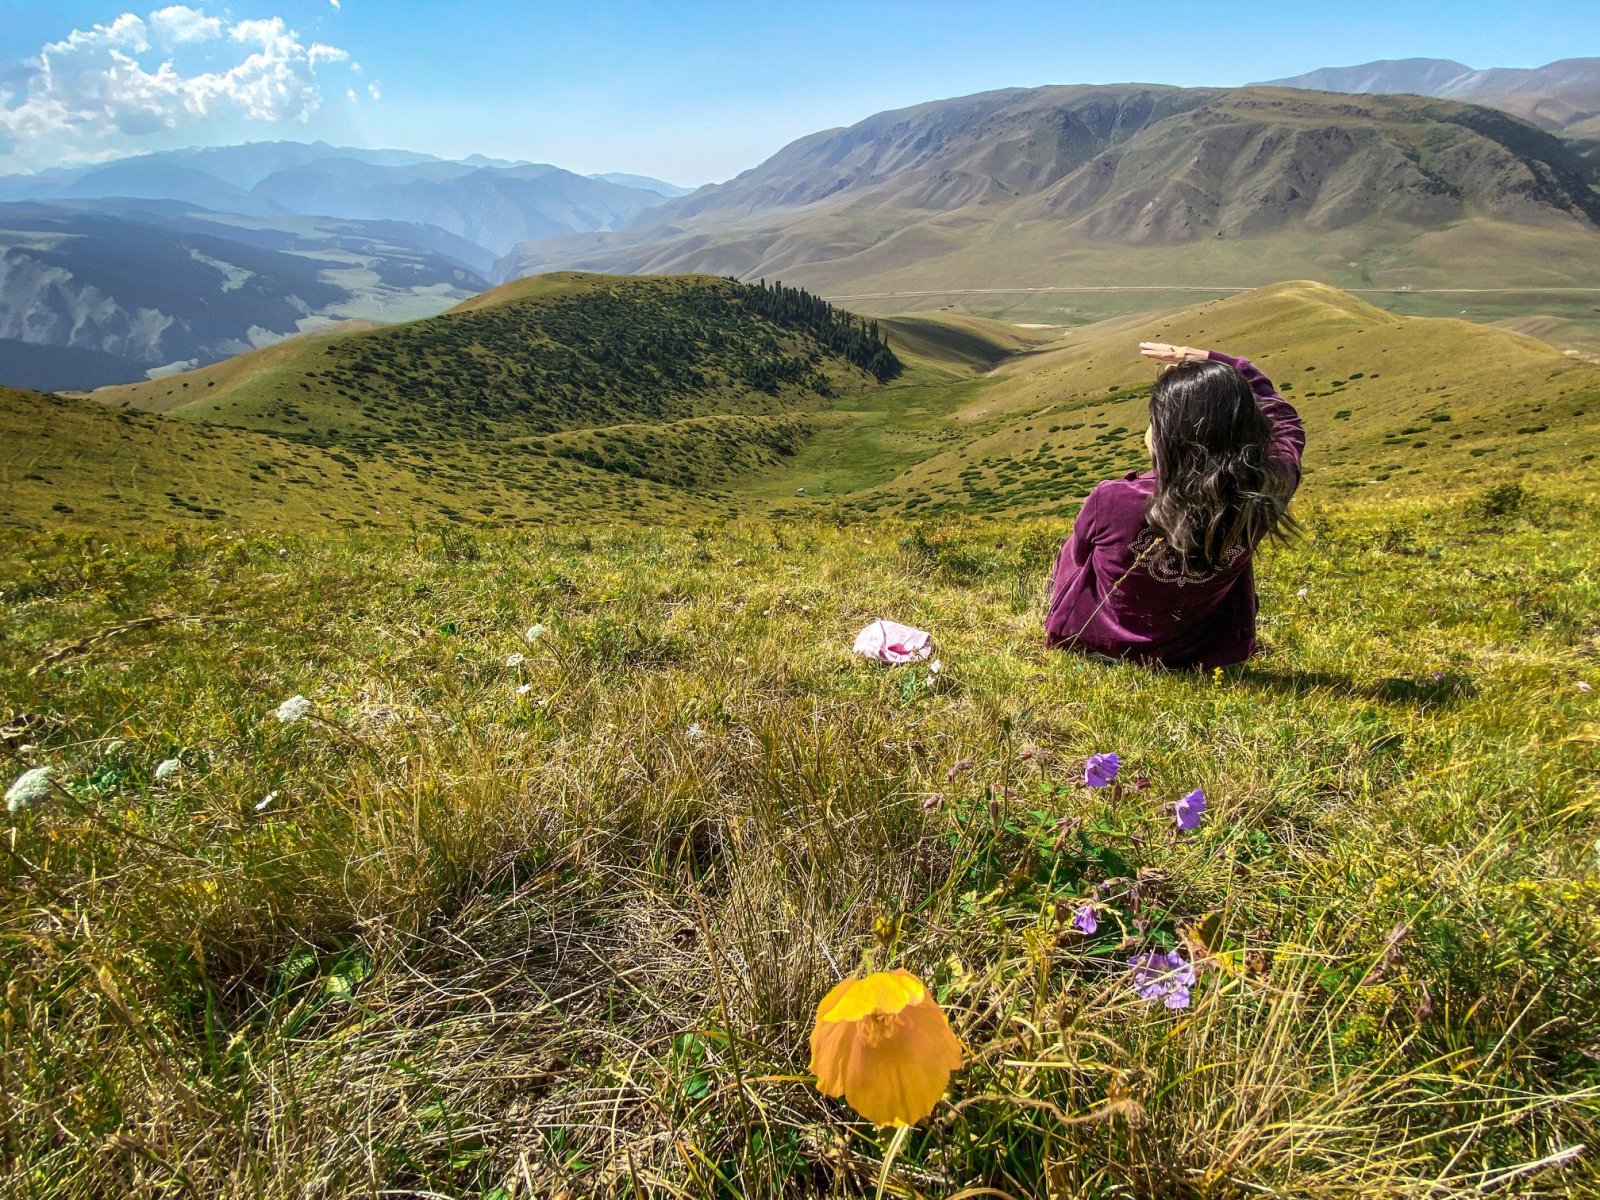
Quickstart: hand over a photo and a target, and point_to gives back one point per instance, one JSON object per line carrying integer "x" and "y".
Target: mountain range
{"x": 1561, "y": 96}
{"x": 1110, "y": 185}
{"x": 162, "y": 261}
{"x": 492, "y": 202}
{"x": 1490, "y": 182}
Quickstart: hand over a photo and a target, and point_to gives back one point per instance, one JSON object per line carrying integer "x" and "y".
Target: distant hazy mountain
{"x": 1563, "y": 96}
{"x": 93, "y": 292}
{"x": 493, "y": 202}
{"x": 483, "y": 160}
{"x": 223, "y": 175}
{"x": 1040, "y": 185}
{"x": 110, "y": 270}
{"x": 644, "y": 181}
{"x": 150, "y": 177}
{"x": 496, "y": 207}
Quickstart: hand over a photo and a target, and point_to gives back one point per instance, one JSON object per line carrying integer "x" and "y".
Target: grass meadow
{"x": 550, "y": 917}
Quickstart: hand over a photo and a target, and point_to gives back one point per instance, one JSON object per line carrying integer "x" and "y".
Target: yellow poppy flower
{"x": 885, "y": 1046}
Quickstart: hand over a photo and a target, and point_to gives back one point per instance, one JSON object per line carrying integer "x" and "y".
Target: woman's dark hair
{"x": 1215, "y": 489}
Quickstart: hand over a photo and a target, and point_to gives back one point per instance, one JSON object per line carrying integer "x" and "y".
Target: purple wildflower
{"x": 1101, "y": 769}
{"x": 1187, "y": 811}
{"x": 1084, "y": 920}
{"x": 1165, "y": 977}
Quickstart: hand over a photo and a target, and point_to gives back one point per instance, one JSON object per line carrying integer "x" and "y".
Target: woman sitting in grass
{"x": 1158, "y": 567}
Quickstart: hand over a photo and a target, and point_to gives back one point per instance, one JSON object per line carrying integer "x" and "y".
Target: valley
{"x": 576, "y": 395}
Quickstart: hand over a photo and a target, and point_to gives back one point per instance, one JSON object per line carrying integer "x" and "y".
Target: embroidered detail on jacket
{"x": 1166, "y": 566}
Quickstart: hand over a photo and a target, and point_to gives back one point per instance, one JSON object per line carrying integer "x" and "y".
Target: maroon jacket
{"x": 1158, "y": 611}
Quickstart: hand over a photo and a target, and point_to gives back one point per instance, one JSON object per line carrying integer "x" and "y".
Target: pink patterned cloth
{"x": 894, "y": 643}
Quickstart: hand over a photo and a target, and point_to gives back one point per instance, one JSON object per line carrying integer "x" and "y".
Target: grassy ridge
{"x": 576, "y": 395}
{"x": 570, "y": 351}
{"x": 484, "y": 926}
{"x": 1392, "y": 404}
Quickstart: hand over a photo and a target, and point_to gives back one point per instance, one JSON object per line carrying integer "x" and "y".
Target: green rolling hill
{"x": 1394, "y": 405}
{"x": 582, "y": 395}
{"x": 561, "y": 352}
{"x": 656, "y": 399}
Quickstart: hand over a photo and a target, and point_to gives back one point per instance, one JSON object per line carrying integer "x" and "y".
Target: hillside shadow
{"x": 1447, "y": 691}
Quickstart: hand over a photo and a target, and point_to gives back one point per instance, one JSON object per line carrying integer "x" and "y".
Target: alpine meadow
{"x": 446, "y": 749}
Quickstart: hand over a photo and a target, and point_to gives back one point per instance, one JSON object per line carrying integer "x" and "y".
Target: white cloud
{"x": 321, "y": 52}
{"x": 180, "y": 24}
{"x": 374, "y": 91}
{"x": 95, "y": 92}
{"x": 335, "y": 3}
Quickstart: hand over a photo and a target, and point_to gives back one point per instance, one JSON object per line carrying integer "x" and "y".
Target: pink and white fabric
{"x": 894, "y": 643}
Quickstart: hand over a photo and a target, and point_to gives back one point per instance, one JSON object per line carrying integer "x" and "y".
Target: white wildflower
{"x": 295, "y": 708}
{"x": 30, "y": 788}
{"x": 515, "y": 660}
{"x": 266, "y": 800}
{"x": 524, "y": 689}
{"x": 167, "y": 768}
{"x": 535, "y": 632}
{"x": 1302, "y": 592}
{"x": 695, "y": 732}
{"x": 113, "y": 749}
{"x": 936, "y": 666}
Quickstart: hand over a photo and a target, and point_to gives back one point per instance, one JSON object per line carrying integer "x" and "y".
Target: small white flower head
{"x": 167, "y": 768}
{"x": 695, "y": 732}
{"x": 936, "y": 666}
{"x": 524, "y": 689}
{"x": 295, "y": 708}
{"x": 114, "y": 750}
{"x": 535, "y": 632}
{"x": 1302, "y": 592}
{"x": 29, "y": 788}
{"x": 515, "y": 660}
{"x": 261, "y": 805}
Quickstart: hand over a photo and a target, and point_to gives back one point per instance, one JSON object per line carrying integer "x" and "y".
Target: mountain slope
{"x": 1392, "y": 405}
{"x": 647, "y": 182}
{"x": 74, "y": 463}
{"x": 540, "y": 355}
{"x": 230, "y": 170}
{"x": 495, "y": 207}
{"x": 165, "y": 285}
{"x": 491, "y": 202}
{"x": 1057, "y": 185}
{"x": 1563, "y": 96}
{"x": 610, "y": 399}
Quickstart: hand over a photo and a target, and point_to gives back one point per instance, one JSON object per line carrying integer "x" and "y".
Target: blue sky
{"x": 689, "y": 92}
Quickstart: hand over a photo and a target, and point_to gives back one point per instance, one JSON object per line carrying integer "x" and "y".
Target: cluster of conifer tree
{"x": 855, "y": 338}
